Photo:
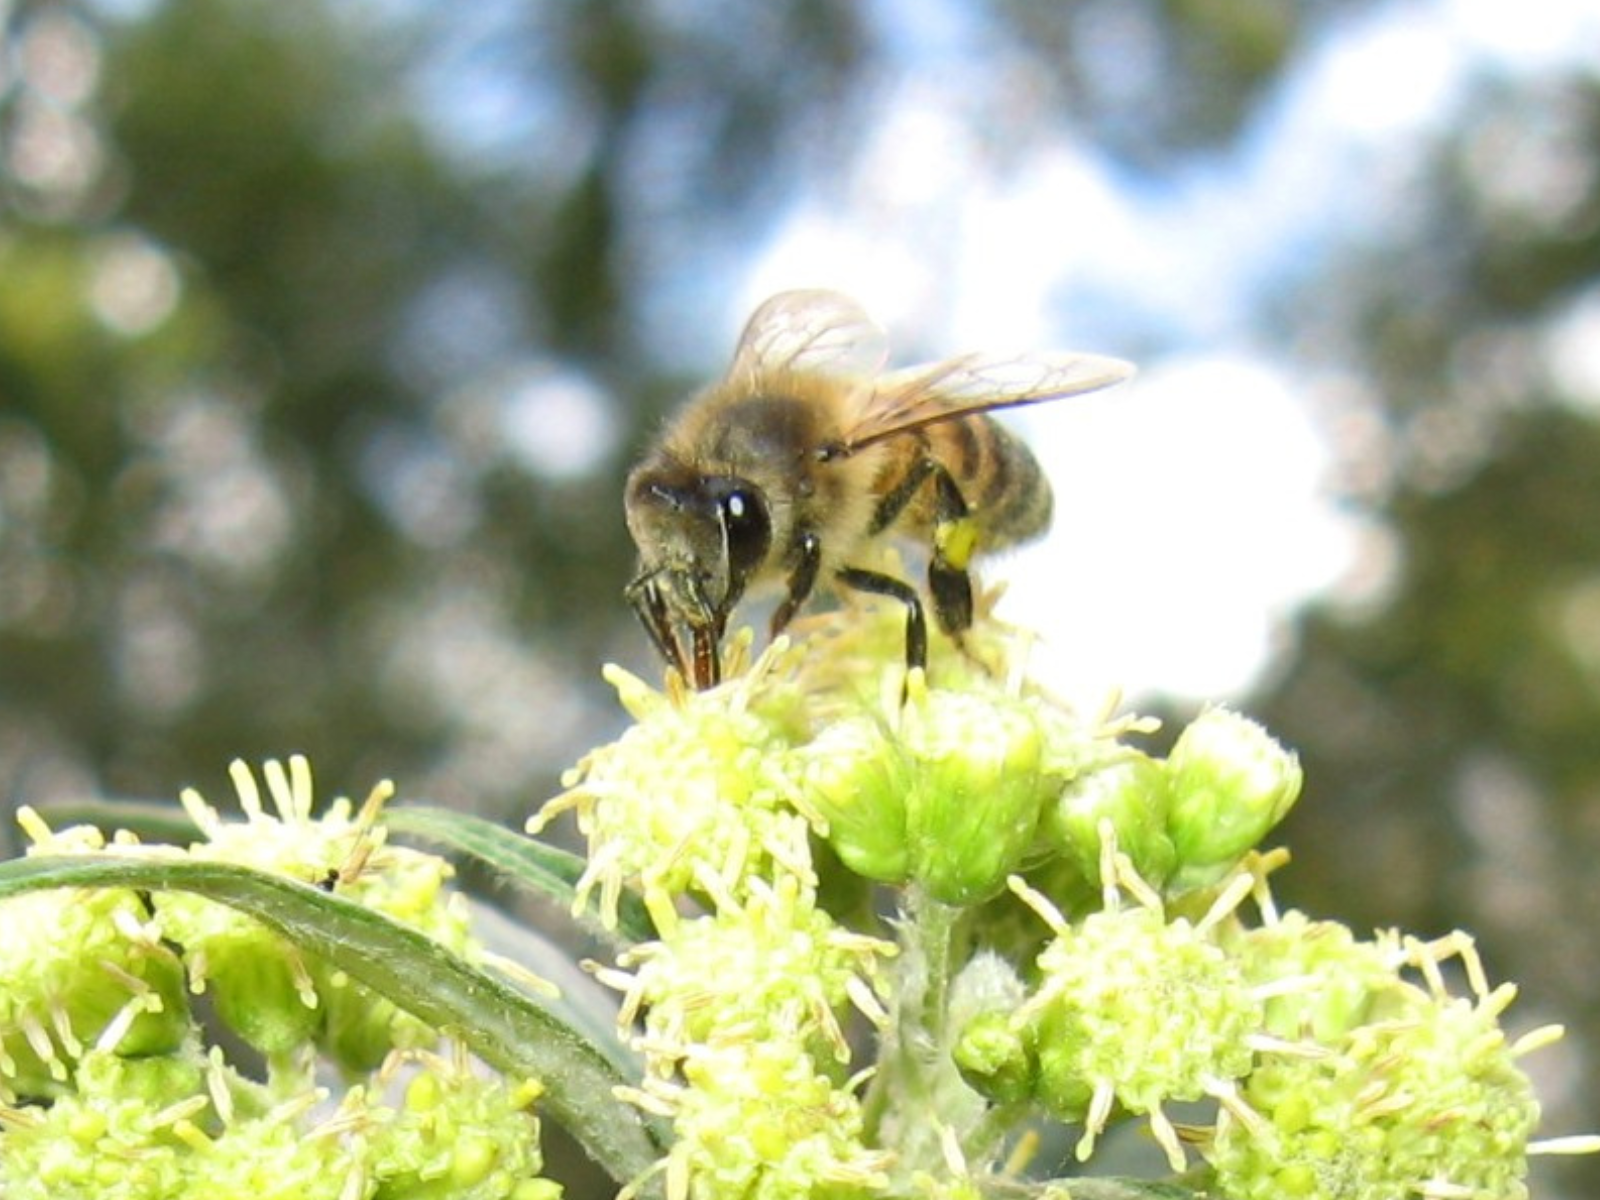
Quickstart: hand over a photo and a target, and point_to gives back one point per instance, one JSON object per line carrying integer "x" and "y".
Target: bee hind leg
{"x": 955, "y": 539}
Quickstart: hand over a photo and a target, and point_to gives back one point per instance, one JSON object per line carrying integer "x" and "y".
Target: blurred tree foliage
{"x": 263, "y": 335}
{"x": 278, "y": 344}
{"x": 314, "y": 403}
{"x": 1450, "y": 724}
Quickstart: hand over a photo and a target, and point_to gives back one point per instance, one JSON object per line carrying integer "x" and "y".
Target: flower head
{"x": 1136, "y": 1010}
{"x": 1431, "y": 1104}
{"x": 79, "y": 968}
{"x": 1326, "y": 981}
{"x": 269, "y": 992}
{"x": 458, "y": 1135}
{"x": 772, "y": 967}
{"x": 757, "y": 1119}
{"x": 689, "y": 798}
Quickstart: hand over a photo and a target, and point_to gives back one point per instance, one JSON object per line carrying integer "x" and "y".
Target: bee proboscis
{"x": 808, "y": 453}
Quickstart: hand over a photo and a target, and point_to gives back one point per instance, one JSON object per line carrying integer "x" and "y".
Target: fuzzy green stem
{"x": 933, "y": 924}
{"x": 916, "y": 1078}
{"x": 986, "y": 1138}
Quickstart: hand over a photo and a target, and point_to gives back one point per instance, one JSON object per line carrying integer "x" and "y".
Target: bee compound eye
{"x": 749, "y": 530}
{"x": 737, "y": 507}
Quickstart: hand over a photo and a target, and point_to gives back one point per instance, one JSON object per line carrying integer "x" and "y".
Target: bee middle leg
{"x": 887, "y": 585}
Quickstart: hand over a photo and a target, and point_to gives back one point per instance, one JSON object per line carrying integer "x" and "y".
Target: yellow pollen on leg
{"x": 956, "y": 541}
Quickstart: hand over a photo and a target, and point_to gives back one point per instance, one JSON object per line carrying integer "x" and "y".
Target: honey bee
{"x": 808, "y": 453}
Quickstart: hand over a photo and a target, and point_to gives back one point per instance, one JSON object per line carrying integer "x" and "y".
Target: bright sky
{"x": 1194, "y": 506}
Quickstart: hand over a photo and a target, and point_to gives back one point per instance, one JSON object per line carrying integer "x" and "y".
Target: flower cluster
{"x": 268, "y": 992}
{"x": 1395, "y": 1085}
{"x": 1135, "y": 1010}
{"x": 743, "y": 1004}
{"x": 774, "y": 967}
{"x": 1141, "y": 985}
{"x": 898, "y": 917}
{"x": 108, "y": 1090}
{"x": 759, "y": 1119}
{"x": 185, "y": 1124}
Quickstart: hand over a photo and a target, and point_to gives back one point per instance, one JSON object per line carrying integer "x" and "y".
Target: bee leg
{"x": 893, "y": 502}
{"x": 955, "y": 538}
{"x": 651, "y": 609}
{"x": 886, "y": 585}
{"x": 707, "y": 658}
{"x": 802, "y": 580}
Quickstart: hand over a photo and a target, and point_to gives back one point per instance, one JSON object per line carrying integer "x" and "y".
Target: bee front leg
{"x": 707, "y": 659}
{"x": 886, "y": 585}
{"x": 650, "y": 606}
{"x": 802, "y": 580}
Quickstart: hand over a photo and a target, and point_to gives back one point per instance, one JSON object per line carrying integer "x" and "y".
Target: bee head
{"x": 700, "y": 539}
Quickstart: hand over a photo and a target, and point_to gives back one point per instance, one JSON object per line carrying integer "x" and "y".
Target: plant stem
{"x": 917, "y": 1092}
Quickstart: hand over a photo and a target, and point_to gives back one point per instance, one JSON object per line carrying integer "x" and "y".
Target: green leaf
{"x": 543, "y": 869}
{"x": 505, "y": 1027}
{"x": 151, "y": 820}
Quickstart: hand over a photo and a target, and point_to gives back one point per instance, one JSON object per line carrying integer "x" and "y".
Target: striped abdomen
{"x": 1007, "y": 494}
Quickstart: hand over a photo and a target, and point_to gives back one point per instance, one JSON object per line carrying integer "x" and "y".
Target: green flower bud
{"x": 1131, "y": 792}
{"x": 854, "y": 777}
{"x": 1230, "y": 783}
{"x": 996, "y": 1059}
{"x": 977, "y": 791}
{"x": 991, "y": 1050}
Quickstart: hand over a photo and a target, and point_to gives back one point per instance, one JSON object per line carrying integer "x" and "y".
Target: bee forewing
{"x": 810, "y": 331}
{"x": 945, "y": 391}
